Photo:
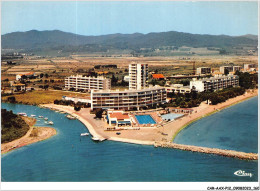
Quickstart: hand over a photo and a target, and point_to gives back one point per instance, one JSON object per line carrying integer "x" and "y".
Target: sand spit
{"x": 42, "y": 134}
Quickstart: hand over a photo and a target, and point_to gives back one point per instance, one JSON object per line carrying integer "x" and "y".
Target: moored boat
{"x": 46, "y": 118}
{"x": 70, "y": 117}
{"x": 33, "y": 115}
{"x": 50, "y": 123}
{"x": 95, "y": 139}
{"x": 22, "y": 114}
{"x": 40, "y": 116}
{"x": 84, "y": 134}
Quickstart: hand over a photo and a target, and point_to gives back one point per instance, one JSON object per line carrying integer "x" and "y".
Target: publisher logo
{"x": 242, "y": 173}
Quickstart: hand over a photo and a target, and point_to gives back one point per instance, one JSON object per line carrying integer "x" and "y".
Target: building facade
{"x": 178, "y": 88}
{"x": 237, "y": 68}
{"x": 80, "y": 82}
{"x": 138, "y": 76}
{"x": 223, "y": 68}
{"x": 127, "y": 99}
{"x": 214, "y": 83}
{"x": 203, "y": 70}
{"x": 247, "y": 67}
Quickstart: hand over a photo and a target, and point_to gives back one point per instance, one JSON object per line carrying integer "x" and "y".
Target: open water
{"x": 234, "y": 128}
{"x": 69, "y": 157}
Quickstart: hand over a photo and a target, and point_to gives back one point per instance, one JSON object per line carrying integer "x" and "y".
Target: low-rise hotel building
{"x": 228, "y": 68}
{"x": 117, "y": 119}
{"x": 247, "y": 67}
{"x": 203, "y": 70}
{"x": 236, "y": 68}
{"x": 127, "y": 99}
{"x": 178, "y": 88}
{"x": 214, "y": 83}
{"x": 80, "y": 82}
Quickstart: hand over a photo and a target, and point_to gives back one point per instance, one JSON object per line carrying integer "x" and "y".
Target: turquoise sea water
{"x": 69, "y": 157}
{"x": 234, "y": 128}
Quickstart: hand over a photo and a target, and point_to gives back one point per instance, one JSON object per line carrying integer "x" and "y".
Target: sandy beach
{"x": 147, "y": 136}
{"x": 42, "y": 134}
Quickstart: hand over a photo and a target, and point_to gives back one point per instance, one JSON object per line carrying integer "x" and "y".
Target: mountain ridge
{"x": 53, "y": 39}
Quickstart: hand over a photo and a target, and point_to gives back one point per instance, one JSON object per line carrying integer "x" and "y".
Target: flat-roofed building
{"x": 80, "y": 82}
{"x": 138, "y": 76}
{"x": 127, "y": 99}
{"x": 178, "y": 88}
{"x": 237, "y": 68}
{"x": 18, "y": 87}
{"x": 203, "y": 70}
{"x": 214, "y": 83}
{"x": 223, "y": 68}
{"x": 118, "y": 119}
{"x": 247, "y": 67}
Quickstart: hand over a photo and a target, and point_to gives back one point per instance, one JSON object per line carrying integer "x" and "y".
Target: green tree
{"x": 99, "y": 112}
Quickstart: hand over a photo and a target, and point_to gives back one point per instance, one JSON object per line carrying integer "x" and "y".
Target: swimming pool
{"x": 145, "y": 119}
{"x": 171, "y": 116}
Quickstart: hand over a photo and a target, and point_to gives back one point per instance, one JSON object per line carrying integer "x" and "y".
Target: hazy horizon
{"x": 101, "y": 18}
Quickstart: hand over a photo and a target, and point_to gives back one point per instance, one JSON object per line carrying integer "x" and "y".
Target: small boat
{"x": 50, "y": 123}
{"x": 118, "y": 133}
{"x": 33, "y": 115}
{"x": 46, "y": 118}
{"x": 22, "y": 114}
{"x": 70, "y": 117}
{"x": 84, "y": 134}
{"x": 95, "y": 139}
{"x": 40, "y": 116}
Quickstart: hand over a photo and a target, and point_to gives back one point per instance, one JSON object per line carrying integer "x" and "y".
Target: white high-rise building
{"x": 138, "y": 75}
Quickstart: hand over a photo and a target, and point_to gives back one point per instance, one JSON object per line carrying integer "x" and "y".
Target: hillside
{"x": 57, "y": 40}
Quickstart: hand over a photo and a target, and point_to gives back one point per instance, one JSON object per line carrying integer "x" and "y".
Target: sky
{"x": 99, "y": 18}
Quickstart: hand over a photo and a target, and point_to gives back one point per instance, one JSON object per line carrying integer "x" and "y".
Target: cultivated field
{"x": 44, "y": 96}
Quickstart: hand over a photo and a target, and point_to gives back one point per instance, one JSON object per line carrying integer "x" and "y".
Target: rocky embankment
{"x": 222, "y": 152}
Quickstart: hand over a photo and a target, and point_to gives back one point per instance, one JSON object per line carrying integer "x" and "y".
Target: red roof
{"x": 119, "y": 116}
{"x": 158, "y": 76}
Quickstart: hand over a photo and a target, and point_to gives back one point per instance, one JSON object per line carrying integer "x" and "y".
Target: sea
{"x": 68, "y": 157}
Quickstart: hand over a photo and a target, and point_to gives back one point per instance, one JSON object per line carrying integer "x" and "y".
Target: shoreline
{"x": 204, "y": 110}
{"x": 43, "y": 133}
{"x": 95, "y": 127}
{"x": 211, "y": 113}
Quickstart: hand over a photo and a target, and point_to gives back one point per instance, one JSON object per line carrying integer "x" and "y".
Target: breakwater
{"x": 222, "y": 152}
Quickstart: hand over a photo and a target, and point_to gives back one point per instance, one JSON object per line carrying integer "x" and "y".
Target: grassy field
{"x": 42, "y": 97}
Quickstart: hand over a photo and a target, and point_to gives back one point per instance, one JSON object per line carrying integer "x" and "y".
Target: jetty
{"x": 222, "y": 152}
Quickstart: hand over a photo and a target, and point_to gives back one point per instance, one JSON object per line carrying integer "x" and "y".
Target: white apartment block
{"x": 223, "y": 68}
{"x": 138, "y": 76}
{"x": 214, "y": 83}
{"x": 178, "y": 88}
{"x": 80, "y": 82}
{"x": 127, "y": 99}
{"x": 237, "y": 68}
{"x": 203, "y": 70}
{"x": 247, "y": 67}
